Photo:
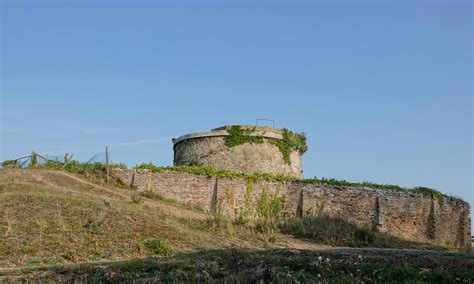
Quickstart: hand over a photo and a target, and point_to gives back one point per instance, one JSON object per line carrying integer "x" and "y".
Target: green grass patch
{"x": 155, "y": 246}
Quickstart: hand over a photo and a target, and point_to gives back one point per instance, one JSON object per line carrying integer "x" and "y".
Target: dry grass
{"x": 50, "y": 217}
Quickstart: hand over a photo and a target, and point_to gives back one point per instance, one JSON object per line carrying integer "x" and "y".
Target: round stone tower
{"x": 242, "y": 148}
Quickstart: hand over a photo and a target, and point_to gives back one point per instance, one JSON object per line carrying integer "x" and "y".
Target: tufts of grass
{"x": 194, "y": 224}
{"x": 151, "y": 195}
{"x": 94, "y": 225}
{"x": 155, "y": 246}
{"x": 70, "y": 254}
{"x": 136, "y": 198}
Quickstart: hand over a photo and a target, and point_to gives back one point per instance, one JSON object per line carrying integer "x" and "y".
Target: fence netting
{"x": 36, "y": 159}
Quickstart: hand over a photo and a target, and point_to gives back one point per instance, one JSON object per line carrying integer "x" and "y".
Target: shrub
{"x": 70, "y": 255}
{"x": 155, "y": 246}
{"x": 269, "y": 211}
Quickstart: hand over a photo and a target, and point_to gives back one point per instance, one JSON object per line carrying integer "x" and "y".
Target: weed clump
{"x": 94, "y": 225}
{"x": 155, "y": 246}
{"x": 70, "y": 255}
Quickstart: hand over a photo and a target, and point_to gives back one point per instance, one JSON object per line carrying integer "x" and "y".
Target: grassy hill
{"x": 61, "y": 226}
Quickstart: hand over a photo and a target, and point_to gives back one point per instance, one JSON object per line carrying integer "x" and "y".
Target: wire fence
{"x": 36, "y": 159}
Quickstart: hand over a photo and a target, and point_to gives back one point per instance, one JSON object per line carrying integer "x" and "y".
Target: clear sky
{"x": 383, "y": 90}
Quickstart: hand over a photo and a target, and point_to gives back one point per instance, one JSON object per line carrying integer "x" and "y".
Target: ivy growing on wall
{"x": 238, "y": 135}
{"x": 290, "y": 141}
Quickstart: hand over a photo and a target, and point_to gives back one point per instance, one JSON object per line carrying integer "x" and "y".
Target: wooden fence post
{"x": 107, "y": 160}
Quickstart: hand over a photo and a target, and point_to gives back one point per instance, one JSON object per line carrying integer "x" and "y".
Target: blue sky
{"x": 383, "y": 90}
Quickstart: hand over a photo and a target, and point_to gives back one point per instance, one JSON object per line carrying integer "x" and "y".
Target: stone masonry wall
{"x": 413, "y": 217}
{"x": 248, "y": 157}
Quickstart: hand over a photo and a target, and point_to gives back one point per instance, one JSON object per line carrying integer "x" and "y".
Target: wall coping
{"x": 222, "y": 133}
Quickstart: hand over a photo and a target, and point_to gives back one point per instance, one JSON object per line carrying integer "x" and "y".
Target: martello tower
{"x": 243, "y": 148}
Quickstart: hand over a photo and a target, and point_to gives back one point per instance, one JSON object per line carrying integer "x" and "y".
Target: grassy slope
{"x": 47, "y": 217}
{"x": 52, "y": 220}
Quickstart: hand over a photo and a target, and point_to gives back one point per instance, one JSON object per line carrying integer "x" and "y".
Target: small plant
{"x": 155, "y": 246}
{"x": 272, "y": 239}
{"x": 137, "y": 198}
{"x": 94, "y": 225}
{"x": 70, "y": 255}
{"x": 269, "y": 211}
{"x": 216, "y": 217}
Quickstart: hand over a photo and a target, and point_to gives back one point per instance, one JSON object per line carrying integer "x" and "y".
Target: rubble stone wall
{"x": 414, "y": 217}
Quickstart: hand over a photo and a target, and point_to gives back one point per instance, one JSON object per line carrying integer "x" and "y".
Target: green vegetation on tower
{"x": 238, "y": 136}
{"x": 290, "y": 141}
